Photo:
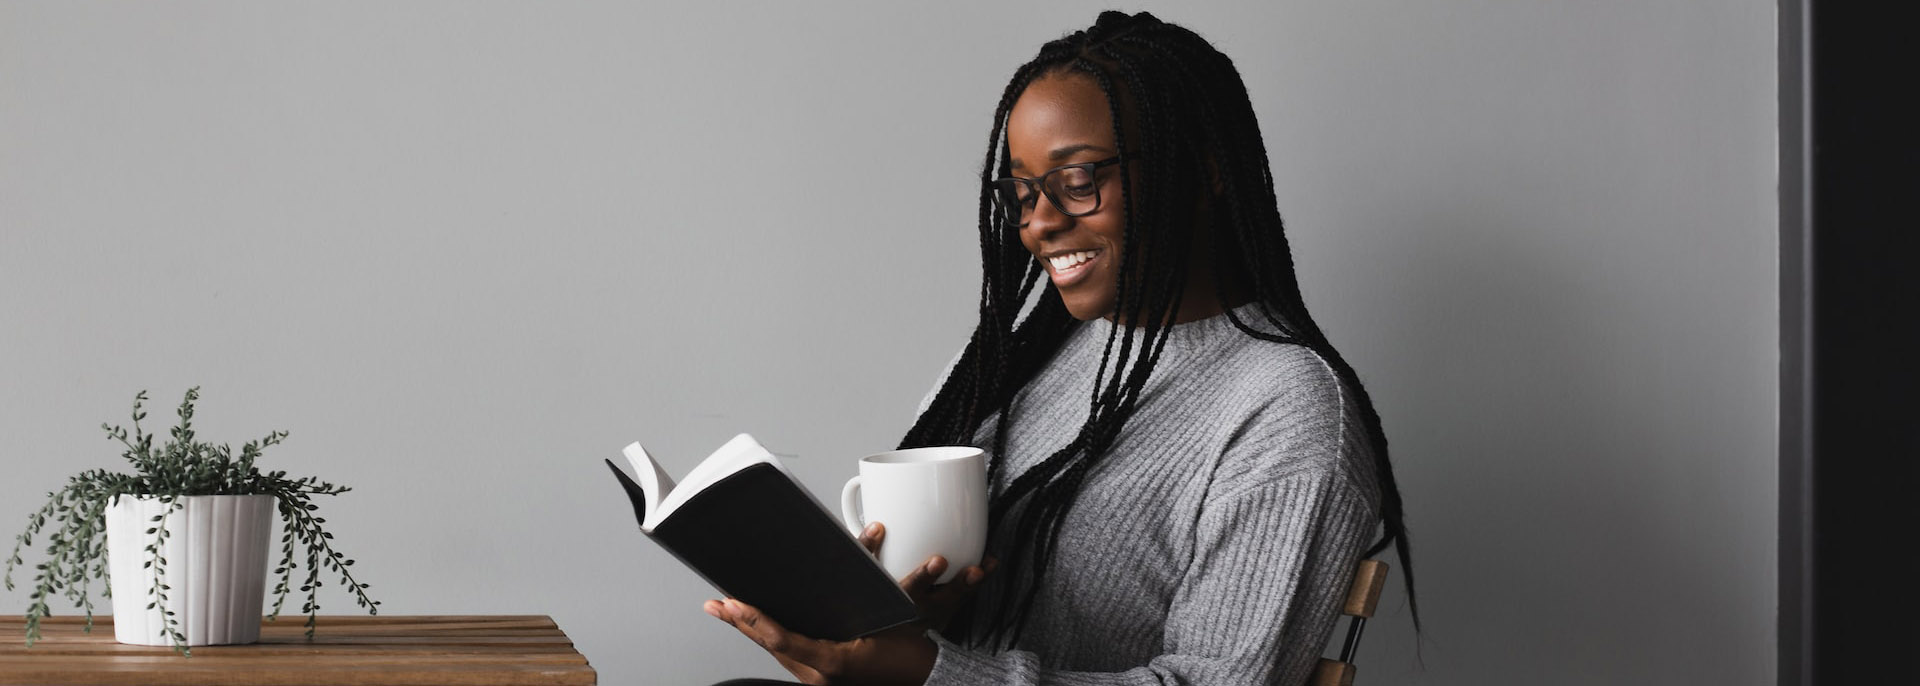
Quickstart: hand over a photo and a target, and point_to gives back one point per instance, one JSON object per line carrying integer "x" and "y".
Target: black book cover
{"x": 756, "y": 536}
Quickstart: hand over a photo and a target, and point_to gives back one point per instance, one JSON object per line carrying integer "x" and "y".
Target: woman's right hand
{"x": 936, "y": 602}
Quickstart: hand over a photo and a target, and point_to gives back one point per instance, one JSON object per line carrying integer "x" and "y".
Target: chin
{"x": 1085, "y": 311}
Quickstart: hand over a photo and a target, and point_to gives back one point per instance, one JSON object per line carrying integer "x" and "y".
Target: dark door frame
{"x": 1849, "y": 418}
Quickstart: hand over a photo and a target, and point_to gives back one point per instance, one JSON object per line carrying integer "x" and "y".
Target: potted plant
{"x": 185, "y": 540}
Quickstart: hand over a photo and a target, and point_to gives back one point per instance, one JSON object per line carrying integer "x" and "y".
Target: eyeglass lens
{"x": 1072, "y": 191}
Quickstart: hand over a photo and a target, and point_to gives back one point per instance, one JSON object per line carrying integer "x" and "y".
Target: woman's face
{"x": 1065, "y": 120}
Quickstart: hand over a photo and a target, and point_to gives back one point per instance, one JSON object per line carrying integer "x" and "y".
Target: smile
{"x": 1072, "y": 267}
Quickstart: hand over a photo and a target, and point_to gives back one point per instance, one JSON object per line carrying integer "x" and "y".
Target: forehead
{"x": 1054, "y": 116}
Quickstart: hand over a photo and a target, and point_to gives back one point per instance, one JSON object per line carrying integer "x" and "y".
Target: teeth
{"x": 1070, "y": 260}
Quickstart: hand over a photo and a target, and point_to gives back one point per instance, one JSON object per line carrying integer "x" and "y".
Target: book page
{"x": 733, "y": 456}
{"x": 654, "y": 482}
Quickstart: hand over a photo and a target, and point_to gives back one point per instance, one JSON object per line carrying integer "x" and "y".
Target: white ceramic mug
{"x": 933, "y": 501}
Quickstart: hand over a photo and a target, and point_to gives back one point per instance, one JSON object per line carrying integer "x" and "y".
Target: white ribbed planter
{"x": 216, "y": 554}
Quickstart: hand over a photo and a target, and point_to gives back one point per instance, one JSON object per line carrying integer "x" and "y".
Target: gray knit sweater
{"x": 1214, "y": 544}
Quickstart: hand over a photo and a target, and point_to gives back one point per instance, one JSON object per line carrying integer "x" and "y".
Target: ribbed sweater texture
{"x": 1213, "y": 544}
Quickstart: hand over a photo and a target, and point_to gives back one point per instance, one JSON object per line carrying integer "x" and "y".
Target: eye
{"x": 1076, "y": 182}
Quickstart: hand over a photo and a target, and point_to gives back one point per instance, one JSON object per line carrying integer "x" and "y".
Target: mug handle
{"x": 850, "y": 505}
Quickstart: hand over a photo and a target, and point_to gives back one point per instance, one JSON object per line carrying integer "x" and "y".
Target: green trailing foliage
{"x": 182, "y": 466}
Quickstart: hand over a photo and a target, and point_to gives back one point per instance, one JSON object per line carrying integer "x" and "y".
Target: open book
{"x": 742, "y": 522}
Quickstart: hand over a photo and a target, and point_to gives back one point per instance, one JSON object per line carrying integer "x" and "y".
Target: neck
{"x": 1200, "y": 300}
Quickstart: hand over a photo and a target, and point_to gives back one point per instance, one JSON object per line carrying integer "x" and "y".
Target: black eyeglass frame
{"x": 1093, "y": 169}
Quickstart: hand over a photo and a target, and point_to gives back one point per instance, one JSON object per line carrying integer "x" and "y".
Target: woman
{"x": 1190, "y": 470}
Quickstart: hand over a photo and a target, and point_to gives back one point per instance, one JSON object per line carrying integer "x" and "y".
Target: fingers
{"x": 939, "y": 603}
{"x": 978, "y": 573}
{"x": 872, "y": 537}
{"x": 962, "y": 584}
{"x": 763, "y": 630}
{"x": 725, "y": 612}
{"x": 920, "y": 580}
{"x": 806, "y": 658}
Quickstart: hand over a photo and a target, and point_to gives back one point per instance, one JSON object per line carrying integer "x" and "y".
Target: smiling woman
{"x": 1066, "y": 113}
{"x": 1198, "y": 522}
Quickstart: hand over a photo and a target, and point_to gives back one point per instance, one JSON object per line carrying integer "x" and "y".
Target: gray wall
{"x": 464, "y": 251}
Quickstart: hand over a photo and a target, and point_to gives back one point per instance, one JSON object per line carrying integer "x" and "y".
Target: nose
{"x": 1046, "y": 221}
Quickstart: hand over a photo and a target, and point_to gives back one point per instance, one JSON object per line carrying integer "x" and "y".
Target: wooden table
{"x": 449, "y": 650}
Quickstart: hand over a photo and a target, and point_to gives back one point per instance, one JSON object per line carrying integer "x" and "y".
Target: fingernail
{"x": 872, "y": 529}
{"x": 712, "y": 609}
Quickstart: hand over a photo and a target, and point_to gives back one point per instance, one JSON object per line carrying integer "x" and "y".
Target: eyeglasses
{"x": 1073, "y": 189}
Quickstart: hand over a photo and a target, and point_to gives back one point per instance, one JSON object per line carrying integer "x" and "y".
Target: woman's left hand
{"x": 901, "y": 655}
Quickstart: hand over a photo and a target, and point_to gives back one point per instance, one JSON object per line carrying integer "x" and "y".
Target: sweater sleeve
{"x": 1257, "y": 604}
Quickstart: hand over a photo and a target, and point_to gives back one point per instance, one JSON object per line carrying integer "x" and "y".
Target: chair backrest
{"x": 1368, "y": 578}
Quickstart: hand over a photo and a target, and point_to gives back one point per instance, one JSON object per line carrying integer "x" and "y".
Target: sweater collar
{"x": 1199, "y": 335}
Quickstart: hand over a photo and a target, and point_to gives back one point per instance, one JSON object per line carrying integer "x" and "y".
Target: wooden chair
{"x": 1362, "y": 598}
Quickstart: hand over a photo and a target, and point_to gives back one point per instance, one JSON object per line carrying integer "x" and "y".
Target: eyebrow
{"x": 1062, "y": 153}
